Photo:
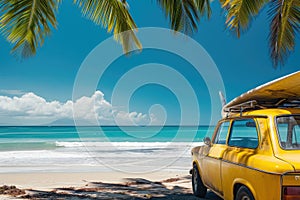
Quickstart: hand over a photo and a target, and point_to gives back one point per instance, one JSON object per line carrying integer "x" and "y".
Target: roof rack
{"x": 255, "y": 104}
{"x": 290, "y": 104}
{"x": 241, "y": 107}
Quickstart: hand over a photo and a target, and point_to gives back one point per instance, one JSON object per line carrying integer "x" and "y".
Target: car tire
{"x": 199, "y": 188}
{"x": 244, "y": 194}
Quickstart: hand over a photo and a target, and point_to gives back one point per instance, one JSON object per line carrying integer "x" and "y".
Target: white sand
{"x": 103, "y": 185}
{"x": 55, "y": 180}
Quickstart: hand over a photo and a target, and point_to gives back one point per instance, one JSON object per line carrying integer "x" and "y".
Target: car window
{"x": 222, "y": 133}
{"x": 282, "y": 129}
{"x": 296, "y": 133}
{"x": 288, "y": 128}
{"x": 243, "y": 134}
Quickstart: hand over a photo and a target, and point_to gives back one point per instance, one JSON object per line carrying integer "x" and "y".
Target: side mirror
{"x": 207, "y": 141}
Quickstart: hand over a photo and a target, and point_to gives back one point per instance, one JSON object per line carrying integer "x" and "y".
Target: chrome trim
{"x": 245, "y": 166}
{"x": 291, "y": 172}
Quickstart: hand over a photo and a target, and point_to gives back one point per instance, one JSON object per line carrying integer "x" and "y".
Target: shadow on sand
{"x": 134, "y": 188}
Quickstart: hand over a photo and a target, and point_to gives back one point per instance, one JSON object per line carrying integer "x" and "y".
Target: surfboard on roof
{"x": 282, "y": 92}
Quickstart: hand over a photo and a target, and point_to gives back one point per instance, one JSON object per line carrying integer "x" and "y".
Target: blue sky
{"x": 49, "y": 76}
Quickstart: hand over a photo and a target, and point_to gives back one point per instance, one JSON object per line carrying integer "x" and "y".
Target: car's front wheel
{"x": 199, "y": 188}
{"x": 244, "y": 194}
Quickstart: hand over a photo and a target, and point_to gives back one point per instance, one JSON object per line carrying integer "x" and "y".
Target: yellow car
{"x": 254, "y": 153}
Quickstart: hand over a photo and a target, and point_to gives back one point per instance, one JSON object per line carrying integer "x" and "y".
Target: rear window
{"x": 243, "y": 134}
{"x": 288, "y": 129}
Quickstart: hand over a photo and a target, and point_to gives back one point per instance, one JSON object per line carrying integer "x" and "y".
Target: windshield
{"x": 288, "y": 128}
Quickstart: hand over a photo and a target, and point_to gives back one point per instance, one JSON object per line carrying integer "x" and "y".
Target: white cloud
{"x": 12, "y": 92}
{"x": 30, "y": 109}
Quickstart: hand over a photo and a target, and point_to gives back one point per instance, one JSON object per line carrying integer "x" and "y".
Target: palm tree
{"x": 285, "y": 22}
{"x": 26, "y": 23}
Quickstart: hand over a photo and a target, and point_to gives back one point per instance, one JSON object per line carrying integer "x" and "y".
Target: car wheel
{"x": 244, "y": 194}
{"x": 199, "y": 188}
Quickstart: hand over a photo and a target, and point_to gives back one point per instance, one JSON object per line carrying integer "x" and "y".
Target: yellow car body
{"x": 257, "y": 150}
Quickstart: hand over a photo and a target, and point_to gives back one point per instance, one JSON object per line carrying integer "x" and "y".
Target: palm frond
{"x": 240, "y": 13}
{"x": 113, "y": 15}
{"x": 284, "y": 25}
{"x": 204, "y": 7}
{"x": 26, "y": 23}
{"x": 184, "y": 14}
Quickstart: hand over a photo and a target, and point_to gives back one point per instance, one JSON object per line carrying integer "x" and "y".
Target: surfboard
{"x": 282, "y": 92}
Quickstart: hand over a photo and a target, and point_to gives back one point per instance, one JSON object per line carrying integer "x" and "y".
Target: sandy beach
{"x": 102, "y": 185}
{"x": 52, "y": 163}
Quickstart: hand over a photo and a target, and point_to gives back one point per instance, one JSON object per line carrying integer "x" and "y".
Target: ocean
{"x": 98, "y": 149}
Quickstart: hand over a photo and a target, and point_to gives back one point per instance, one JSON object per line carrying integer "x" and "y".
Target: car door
{"x": 212, "y": 161}
{"x": 243, "y": 142}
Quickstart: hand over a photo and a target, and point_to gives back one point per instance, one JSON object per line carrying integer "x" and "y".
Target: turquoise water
{"x": 129, "y": 149}
{"x": 43, "y": 137}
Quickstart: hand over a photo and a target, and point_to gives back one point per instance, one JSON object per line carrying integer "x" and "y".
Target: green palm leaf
{"x": 113, "y": 15}
{"x": 284, "y": 25}
{"x": 241, "y": 12}
{"x": 184, "y": 14}
{"x": 204, "y": 7}
{"x": 26, "y": 23}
